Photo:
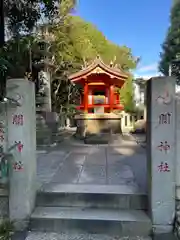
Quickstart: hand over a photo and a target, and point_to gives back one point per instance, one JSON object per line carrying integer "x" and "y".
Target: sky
{"x": 139, "y": 24}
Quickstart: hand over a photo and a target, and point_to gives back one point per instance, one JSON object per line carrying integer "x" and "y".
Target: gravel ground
{"x": 64, "y": 236}
{"x": 67, "y": 236}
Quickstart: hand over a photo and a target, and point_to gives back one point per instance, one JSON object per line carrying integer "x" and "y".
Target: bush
{"x": 6, "y": 229}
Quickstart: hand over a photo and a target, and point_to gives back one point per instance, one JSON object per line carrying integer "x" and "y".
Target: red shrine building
{"x": 100, "y": 83}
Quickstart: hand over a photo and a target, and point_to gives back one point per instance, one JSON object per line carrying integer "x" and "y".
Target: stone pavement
{"x": 141, "y": 139}
{"x": 73, "y": 162}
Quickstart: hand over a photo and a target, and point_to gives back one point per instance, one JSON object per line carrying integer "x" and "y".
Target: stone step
{"x": 91, "y": 220}
{"x": 120, "y": 197}
{"x": 74, "y": 236}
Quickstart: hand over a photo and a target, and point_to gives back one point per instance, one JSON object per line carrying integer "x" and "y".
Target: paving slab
{"x": 115, "y": 159}
{"x": 123, "y": 150}
{"x": 82, "y": 149}
{"x": 123, "y": 171}
{"x": 120, "y": 174}
{"x": 138, "y": 164}
{"x": 68, "y": 173}
{"x": 96, "y": 159}
{"x": 93, "y": 174}
{"x": 76, "y": 158}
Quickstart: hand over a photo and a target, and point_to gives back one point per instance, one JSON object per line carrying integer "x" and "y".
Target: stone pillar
{"x": 4, "y": 198}
{"x": 3, "y": 126}
{"x": 22, "y": 130}
{"x": 177, "y": 224}
{"x": 161, "y": 152}
{"x": 86, "y": 97}
{"x": 3, "y": 143}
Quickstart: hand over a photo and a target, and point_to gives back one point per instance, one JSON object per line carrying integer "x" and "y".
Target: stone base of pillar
{"x": 162, "y": 229}
{"x": 177, "y": 219}
{"x": 4, "y": 203}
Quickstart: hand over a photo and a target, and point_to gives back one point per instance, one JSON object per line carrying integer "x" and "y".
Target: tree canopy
{"x": 74, "y": 43}
{"x": 22, "y": 16}
{"x": 79, "y": 42}
{"x": 88, "y": 42}
{"x": 171, "y": 46}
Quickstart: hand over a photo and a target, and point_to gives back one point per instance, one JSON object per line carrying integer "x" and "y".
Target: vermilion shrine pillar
{"x": 118, "y": 98}
{"x": 111, "y": 97}
{"x": 22, "y": 131}
{"x": 86, "y": 97}
{"x": 107, "y": 96}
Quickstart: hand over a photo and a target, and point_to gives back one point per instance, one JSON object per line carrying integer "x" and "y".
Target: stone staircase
{"x": 90, "y": 212}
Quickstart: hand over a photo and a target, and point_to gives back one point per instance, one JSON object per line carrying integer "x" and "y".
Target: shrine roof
{"x": 99, "y": 67}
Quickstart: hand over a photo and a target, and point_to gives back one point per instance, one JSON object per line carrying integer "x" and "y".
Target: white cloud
{"x": 147, "y": 76}
{"x": 147, "y": 72}
{"x": 148, "y": 68}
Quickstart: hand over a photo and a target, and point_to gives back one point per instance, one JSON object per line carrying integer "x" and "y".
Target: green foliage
{"x": 17, "y": 55}
{"x": 127, "y": 96}
{"x": 171, "y": 45}
{"x": 4, "y": 65}
{"x": 22, "y": 16}
{"x": 79, "y": 42}
{"x": 88, "y": 42}
{"x": 6, "y": 229}
{"x": 75, "y": 44}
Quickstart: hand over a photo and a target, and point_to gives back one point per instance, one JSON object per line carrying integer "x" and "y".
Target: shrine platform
{"x": 97, "y": 124}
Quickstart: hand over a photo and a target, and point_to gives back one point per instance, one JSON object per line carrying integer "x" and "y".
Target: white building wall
{"x": 138, "y": 95}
